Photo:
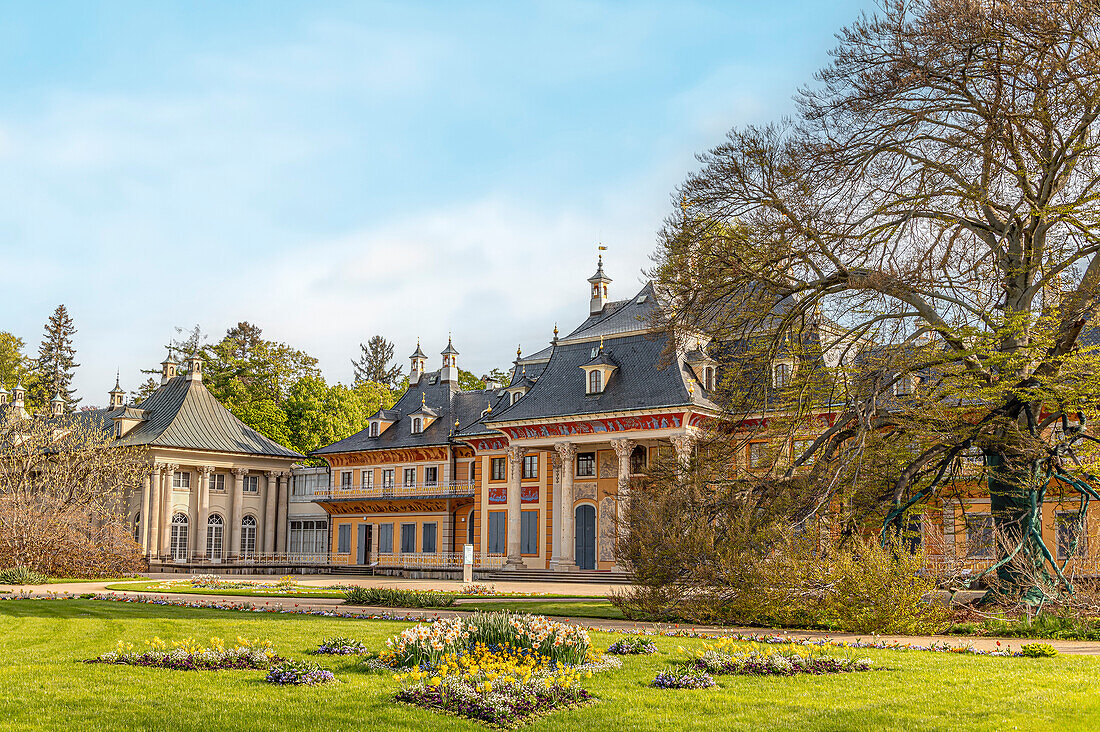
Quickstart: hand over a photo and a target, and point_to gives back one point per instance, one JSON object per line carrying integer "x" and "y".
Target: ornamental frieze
{"x": 594, "y": 426}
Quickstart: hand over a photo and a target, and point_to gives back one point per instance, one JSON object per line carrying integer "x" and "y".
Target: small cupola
{"x": 598, "y": 370}
{"x": 4, "y": 395}
{"x": 18, "y": 394}
{"x": 194, "y": 368}
{"x": 168, "y": 368}
{"x": 117, "y": 395}
{"x": 598, "y": 289}
{"x": 57, "y": 405}
{"x": 416, "y": 367}
{"x": 449, "y": 374}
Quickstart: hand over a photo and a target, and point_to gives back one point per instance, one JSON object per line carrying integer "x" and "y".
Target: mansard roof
{"x": 619, "y": 317}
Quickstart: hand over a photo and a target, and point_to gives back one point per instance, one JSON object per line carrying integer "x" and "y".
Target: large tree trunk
{"x": 1015, "y": 500}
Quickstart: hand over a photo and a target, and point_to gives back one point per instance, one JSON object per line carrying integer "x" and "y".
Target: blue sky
{"x": 330, "y": 171}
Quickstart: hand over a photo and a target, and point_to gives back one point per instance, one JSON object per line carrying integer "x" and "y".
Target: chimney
{"x": 449, "y": 374}
{"x": 599, "y": 282}
{"x": 416, "y": 369}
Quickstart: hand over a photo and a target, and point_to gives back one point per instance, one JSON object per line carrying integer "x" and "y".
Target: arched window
{"x": 637, "y": 459}
{"x": 248, "y": 537}
{"x": 781, "y": 375}
{"x": 708, "y": 378}
{"x": 215, "y": 528}
{"x": 137, "y": 527}
{"x": 416, "y": 425}
{"x": 178, "y": 545}
{"x": 374, "y": 429}
{"x": 595, "y": 382}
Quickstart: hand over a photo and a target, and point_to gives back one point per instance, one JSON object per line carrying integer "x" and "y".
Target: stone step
{"x": 590, "y": 577}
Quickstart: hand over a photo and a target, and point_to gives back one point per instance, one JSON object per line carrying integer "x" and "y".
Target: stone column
{"x": 147, "y": 484}
{"x": 282, "y": 525}
{"x": 153, "y": 517}
{"x": 623, "y": 448}
{"x": 270, "y": 491}
{"x": 683, "y": 445}
{"x": 567, "y": 452}
{"x": 166, "y": 509}
{"x": 515, "y": 476}
{"x": 236, "y": 513}
{"x": 203, "y": 512}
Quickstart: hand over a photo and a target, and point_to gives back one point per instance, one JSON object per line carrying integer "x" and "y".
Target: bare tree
{"x": 938, "y": 191}
{"x": 63, "y": 494}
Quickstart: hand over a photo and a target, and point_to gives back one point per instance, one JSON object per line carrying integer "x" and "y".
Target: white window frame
{"x": 181, "y": 480}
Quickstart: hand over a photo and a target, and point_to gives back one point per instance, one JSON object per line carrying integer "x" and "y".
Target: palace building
{"x": 530, "y": 473}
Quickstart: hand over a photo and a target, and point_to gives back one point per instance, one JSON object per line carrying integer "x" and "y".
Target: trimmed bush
{"x": 1038, "y": 650}
{"x": 392, "y": 597}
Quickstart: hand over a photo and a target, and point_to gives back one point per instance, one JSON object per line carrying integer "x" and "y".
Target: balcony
{"x": 439, "y": 489}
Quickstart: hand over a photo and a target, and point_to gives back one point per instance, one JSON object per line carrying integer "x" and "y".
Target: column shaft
{"x": 282, "y": 525}
{"x": 515, "y": 476}
{"x": 166, "y": 511}
{"x": 152, "y": 519}
{"x": 270, "y": 491}
{"x": 568, "y": 453}
{"x": 146, "y": 510}
{"x": 236, "y": 513}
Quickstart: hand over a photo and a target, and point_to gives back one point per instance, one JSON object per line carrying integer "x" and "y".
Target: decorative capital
{"x": 171, "y": 467}
{"x": 240, "y": 472}
{"x": 683, "y": 445}
{"x": 623, "y": 447}
{"x": 515, "y": 453}
{"x": 207, "y": 469}
{"x": 566, "y": 451}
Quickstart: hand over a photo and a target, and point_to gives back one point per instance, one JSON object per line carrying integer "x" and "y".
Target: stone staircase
{"x": 587, "y": 577}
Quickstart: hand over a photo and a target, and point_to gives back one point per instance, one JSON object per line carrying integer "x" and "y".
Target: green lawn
{"x": 46, "y": 688}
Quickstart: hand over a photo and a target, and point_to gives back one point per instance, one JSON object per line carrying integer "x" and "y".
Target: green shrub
{"x": 22, "y": 576}
{"x": 392, "y": 597}
{"x": 1038, "y": 650}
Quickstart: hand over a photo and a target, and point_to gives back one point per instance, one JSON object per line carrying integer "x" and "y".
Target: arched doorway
{"x": 179, "y": 538}
{"x": 584, "y": 545}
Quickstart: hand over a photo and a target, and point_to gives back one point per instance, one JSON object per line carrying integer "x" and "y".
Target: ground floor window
{"x": 179, "y": 537}
{"x": 427, "y": 539}
{"x": 248, "y": 537}
{"x": 529, "y": 532}
{"x": 495, "y": 539}
{"x": 137, "y": 527}
{"x": 979, "y": 535}
{"x": 385, "y": 539}
{"x": 408, "y": 538}
{"x": 343, "y": 539}
{"x": 1069, "y": 531}
{"x": 215, "y": 527}
{"x": 308, "y": 536}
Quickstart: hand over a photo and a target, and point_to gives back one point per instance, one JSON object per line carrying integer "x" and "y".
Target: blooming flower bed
{"x": 561, "y": 642}
{"x": 723, "y": 658}
{"x": 187, "y": 655}
{"x": 634, "y": 646}
{"x": 340, "y": 647}
{"x": 301, "y": 673}
{"x": 682, "y": 677}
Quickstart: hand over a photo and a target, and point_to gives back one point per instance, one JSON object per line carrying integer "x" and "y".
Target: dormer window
{"x": 417, "y": 425}
{"x": 374, "y": 429}
{"x": 903, "y": 386}
{"x": 598, "y": 371}
{"x": 708, "y": 378}
{"x": 516, "y": 395}
{"x": 595, "y": 382}
{"x": 781, "y": 375}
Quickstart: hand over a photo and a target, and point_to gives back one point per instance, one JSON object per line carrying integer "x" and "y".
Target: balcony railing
{"x": 439, "y": 489}
{"x": 437, "y": 560}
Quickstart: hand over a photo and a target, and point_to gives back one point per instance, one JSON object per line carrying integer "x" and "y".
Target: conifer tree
{"x": 56, "y": 361}
{"x": 375, "y": 364}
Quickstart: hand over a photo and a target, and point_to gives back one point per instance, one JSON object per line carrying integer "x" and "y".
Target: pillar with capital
{"x": 270, "y": 494}
{"x": 154, "y": 510}
{"x": 165, "y": 518}
{"x": 567, "y": 453}
{"x": 515, "y": 476}
{"x": 147, "y": 484}
{"x": 202, "y": 515}
{"x": 556, "y": 510}
{"x": 236, "y": 513}
{"x": 282, "y": 528}
{"x": 683, "y": 445}
{"x": 623, "y": 449}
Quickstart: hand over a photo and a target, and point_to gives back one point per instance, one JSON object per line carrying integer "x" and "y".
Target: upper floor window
{"x": 498, "y": 469}
{"x": 345, "y": 479}
{"x": 387, "y": 478}
{"x": 530, "y": 466}
{"x": 431, "y": 475}
{"x": 781, "y": 375}
{"x": 374, "y": 429}
{"x": 708, "y": 378}
{"x": 410, "y": 476}
{"x": 595, "y": 382}
{"x": 417, "y": 425}
{"x": 217, "y": 482}
{"x": 181, "y": 481}
{"x": 251, "y": 483}
{"x": 367, "y": 477}
{"x": 586, "y": 464}
{"x": 637, "y": 459}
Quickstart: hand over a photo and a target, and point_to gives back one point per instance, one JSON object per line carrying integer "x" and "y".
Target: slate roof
{"x": 184, "y": 414}
{"x": 619, "y": 317}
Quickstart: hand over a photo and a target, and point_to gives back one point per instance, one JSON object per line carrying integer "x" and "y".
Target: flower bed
{"x": 561, "y": 642}
{"x": 300, "y": 673}
{"x": 187, "y": 655}
{"x": 683, "y": 678}
{"x": 340, "y": 647}
{"x": 632, "y": 647}
{"x": 723, "y": 658}
{"x": 392, "y": 597}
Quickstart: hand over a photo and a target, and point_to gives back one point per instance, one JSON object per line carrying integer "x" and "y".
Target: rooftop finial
{"x": 422, "y": 399}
